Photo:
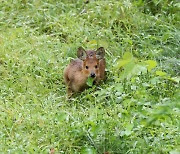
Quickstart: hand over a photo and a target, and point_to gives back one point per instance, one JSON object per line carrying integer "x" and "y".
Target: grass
{"x": 136, "y": 110}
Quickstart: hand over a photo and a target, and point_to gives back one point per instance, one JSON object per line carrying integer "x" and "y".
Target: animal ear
{"x": 100, "y": 52}
{"x": 81, "y": 53}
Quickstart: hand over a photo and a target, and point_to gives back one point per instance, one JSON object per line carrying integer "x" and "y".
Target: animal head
{"x": 91, "y": 60}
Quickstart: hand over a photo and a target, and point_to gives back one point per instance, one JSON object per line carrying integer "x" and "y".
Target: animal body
{"x": 88, "y": 64}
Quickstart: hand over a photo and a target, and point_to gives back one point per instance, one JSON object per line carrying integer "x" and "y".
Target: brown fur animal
{"x": 88, "y": 64}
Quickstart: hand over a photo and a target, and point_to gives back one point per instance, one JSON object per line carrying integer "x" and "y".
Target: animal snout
{"x": 93, "y": 75}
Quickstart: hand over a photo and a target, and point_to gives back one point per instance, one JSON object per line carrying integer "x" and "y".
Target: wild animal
{"x": 89, "y": 64}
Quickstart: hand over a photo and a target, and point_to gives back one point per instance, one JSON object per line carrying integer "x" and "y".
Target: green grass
{"x": 136, "y": 110}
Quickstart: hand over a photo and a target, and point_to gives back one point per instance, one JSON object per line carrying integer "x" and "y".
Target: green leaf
{"x": 127, "y": 55}
{"x": 103, "y": 43}
{"x": 127, "y": 72}
{"x": 138, "y": 69}
{"x": 151, "y": 64}
{"x": 132, "y": 69}
{"x": 126, "y": 59}
{"x": 122, "y": 63}
{"x": 129, "y": 128}
{"x": 154, "y": 80}
{"x": 160, "y": 73}
{"x": 92, "y": 44}
{"x": 88, "y": 150}
{"x": 175, "y": 79}
{"x": 90, "y": 81}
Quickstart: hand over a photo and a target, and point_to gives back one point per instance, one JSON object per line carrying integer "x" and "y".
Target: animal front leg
{"x": 69, "y": 90}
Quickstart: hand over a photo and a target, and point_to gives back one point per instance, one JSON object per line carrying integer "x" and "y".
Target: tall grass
{"x": 136, "y": 110}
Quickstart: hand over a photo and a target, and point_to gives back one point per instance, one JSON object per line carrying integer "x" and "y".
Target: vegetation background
{"x": 136, "y": 110}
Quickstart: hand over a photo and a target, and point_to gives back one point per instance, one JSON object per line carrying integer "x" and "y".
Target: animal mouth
{"x": 94, "y": 82}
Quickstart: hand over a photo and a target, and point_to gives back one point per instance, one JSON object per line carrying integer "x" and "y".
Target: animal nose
{"x": 93, "y": 75}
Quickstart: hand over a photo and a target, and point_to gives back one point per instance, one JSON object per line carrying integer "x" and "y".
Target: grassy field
{"x": 136, "y": 110}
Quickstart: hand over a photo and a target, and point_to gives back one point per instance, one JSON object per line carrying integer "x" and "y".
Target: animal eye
{"x": 87, "y": 67}
{"x": 96, "y": 66}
